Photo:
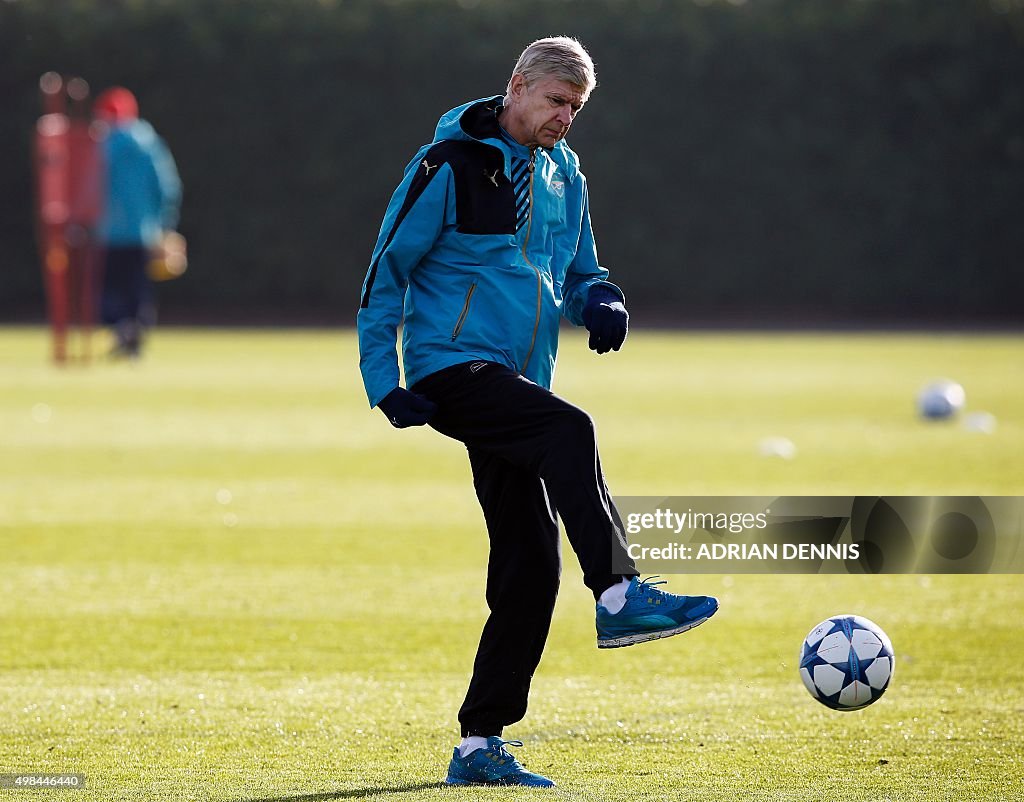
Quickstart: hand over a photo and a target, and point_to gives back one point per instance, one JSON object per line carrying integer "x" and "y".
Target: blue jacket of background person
{"x": 450, "y": 259}
{"x": 143, "y": 190}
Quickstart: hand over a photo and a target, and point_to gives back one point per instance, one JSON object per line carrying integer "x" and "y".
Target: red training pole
{"x": 51, "y": 163}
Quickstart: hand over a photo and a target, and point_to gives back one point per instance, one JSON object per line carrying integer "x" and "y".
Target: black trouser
{"x": 127, "y": 290}
{"x": 532, "y": 454}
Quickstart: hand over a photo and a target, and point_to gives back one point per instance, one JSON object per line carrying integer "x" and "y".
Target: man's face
{"x": 545, "y": 109}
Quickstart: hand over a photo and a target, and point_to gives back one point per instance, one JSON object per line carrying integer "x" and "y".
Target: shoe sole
{"x": 643, "y": 637}
{"x": 450, "y": 781}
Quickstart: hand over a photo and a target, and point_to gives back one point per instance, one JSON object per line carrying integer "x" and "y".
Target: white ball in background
{"x": 940, "y": 399}
{"x": 781, "y": 447}
{"x": 983, "y": 422}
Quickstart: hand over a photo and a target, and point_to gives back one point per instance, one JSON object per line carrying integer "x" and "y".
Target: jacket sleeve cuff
{"x": 605, "y": 289}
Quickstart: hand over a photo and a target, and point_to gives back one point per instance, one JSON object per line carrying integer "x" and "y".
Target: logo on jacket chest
{"x": 554, "y": 179}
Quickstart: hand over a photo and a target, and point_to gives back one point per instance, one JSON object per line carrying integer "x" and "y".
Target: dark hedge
{"x": 767, "y": 161}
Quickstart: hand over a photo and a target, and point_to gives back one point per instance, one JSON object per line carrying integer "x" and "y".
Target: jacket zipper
{"x": 465, "y": 311}
{"x": 526, "y": 241}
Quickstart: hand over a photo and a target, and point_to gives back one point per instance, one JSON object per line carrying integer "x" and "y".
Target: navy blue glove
{"x": 606, "y": 319}
{"x": 403, "y": 408}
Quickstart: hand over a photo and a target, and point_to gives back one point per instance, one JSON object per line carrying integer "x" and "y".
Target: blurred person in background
{"x": 142, "y": 201}
{"x": 485, "y": 246}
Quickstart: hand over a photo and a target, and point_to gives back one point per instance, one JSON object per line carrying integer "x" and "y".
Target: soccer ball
{"x": 940, "y": 399}
{"x": 847, "y": 662}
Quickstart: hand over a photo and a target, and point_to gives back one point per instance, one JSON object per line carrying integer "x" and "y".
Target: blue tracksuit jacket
{"x": 471, "y": 284}
{"x": 143, "y": 190}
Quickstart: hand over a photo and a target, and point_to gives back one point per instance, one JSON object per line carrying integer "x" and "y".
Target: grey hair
{"x": 560, "y": 57}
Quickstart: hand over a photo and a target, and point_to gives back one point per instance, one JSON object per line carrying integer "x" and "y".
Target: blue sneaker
{"x": 650, "y": 614}
{"x": 492, "y": 765}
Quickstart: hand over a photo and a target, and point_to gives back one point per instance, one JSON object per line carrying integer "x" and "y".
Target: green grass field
{"x": 225, "y": 579}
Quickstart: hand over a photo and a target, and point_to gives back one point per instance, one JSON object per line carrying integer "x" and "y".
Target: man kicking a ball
{"x": 486, "y": 243}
